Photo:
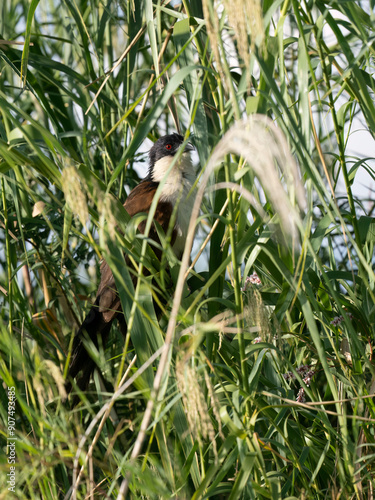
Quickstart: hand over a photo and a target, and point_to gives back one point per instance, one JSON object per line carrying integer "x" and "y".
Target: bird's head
{"x": 162, "y": 153}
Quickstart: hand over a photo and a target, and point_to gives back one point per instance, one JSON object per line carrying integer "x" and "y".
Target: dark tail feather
{"x": 93, "y": 326}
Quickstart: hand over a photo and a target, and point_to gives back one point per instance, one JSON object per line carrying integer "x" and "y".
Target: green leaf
{"x": 26, "y": 48}
{"x": 366, "y": 226}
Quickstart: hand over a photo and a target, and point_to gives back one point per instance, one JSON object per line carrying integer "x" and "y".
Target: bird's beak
{"x": 188, "y": 147}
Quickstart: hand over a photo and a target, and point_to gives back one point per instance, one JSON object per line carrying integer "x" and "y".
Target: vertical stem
{"x": 236, "y": 267}
{"x": 342, "y": 158}
{"x": 237, "y": 281}
{"x": 8, "y": 257}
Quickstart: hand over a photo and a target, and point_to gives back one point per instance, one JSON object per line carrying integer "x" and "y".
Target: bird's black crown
{"x": 167, "y": 145}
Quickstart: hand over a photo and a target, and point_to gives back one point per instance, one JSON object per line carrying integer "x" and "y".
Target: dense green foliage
{"x": 264, "y": 386}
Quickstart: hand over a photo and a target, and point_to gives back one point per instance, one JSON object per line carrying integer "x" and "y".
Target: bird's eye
{"x": 168, "y": 146}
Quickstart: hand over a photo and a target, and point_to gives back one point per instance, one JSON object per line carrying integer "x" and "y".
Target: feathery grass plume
{"x": 195, "y": 404}
{"x": 245, "y": 18}
{"x": 258, "y": 315}
{"x": 75, "y": 190}
{"x": 264, "y": 147}
{"x": 215, "y": 405}
{"x": 74, "y": 193}
{"x": 210, "y": 12}
{"x": 42, "y": 383}
{"x": 57, "y": 377}
{"x": 106, "y": 211}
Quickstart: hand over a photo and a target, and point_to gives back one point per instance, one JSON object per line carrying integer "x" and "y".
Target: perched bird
{"x": 176, "y": 189}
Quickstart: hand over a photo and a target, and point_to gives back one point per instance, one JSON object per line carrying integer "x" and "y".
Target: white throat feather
{"x": 176, "y": 188}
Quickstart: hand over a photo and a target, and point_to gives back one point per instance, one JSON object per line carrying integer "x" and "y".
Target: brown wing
{"x": 138, "y": 201}
{"x": 140, "y": 198}
{"x": 107, "y": 304}
{"x": 107, "y": 297}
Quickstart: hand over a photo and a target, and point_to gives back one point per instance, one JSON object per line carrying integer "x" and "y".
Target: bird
{"x": 176, "y": 188}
